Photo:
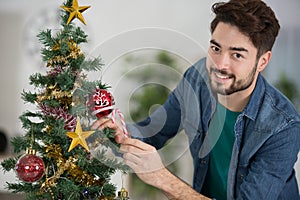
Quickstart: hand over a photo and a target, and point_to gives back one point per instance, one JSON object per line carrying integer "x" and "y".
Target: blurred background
{"x": 132, "y": 37}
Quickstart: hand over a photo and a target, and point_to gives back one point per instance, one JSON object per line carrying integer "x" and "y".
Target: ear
{"x": 264, "y": 60}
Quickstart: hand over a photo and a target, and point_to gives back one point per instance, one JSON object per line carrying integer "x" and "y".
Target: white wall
{"x": 115, "y": 29}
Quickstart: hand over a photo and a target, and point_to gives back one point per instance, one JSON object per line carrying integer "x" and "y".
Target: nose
{"x": 222, "y": 61}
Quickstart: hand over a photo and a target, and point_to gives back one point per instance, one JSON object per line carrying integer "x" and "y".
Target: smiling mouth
{"x": 222, "y": 75}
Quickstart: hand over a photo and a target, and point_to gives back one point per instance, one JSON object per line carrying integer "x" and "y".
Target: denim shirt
{"x": 267, "y": 136}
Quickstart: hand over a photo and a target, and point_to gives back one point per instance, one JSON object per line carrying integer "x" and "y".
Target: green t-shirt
{"x": 221, "y": 137}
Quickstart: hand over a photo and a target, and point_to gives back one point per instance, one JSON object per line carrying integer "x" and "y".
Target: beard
{"x": 236, "y": 85}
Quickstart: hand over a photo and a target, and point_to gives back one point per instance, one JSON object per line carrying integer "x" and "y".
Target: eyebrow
{"x": 231, "y": 48}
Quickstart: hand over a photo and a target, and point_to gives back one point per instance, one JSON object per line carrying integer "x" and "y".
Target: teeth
{"x": 221, "y": 76}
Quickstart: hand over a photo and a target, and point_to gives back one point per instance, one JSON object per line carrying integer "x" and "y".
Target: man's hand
{"x": 146, "y": 163}
{"x": 143, "y": 159}
{"x": 104, "y": 122}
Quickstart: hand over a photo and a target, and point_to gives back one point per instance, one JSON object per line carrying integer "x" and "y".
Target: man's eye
{"x": 237, "y": 55}
{"x": 215, "y": 49}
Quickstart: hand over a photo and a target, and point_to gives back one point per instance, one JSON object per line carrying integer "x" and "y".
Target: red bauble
{"x": 100, "y": 103}
{"x": 30, "y": 168}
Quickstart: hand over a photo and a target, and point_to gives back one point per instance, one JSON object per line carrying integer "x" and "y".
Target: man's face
{"x": 231, "y": 61}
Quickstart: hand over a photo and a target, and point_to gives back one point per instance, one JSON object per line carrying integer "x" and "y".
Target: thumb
{"x": 119, "y": 138}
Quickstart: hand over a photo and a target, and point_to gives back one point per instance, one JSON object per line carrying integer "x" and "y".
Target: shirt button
{"x": 242, "y": 177}
{"x": 203, "y": 162}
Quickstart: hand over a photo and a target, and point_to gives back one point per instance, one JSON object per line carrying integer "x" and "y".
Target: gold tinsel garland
{"x": 75, "y": 52}
{"x": 54, "y": 92}
{"x": 67, "y": 165}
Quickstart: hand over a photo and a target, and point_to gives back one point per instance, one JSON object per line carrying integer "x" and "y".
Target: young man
{"x": 244, "y": 135}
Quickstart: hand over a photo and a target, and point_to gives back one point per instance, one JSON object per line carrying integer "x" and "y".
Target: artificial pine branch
{"x": 38, "y": 80}
{"x": 79, "y": 36}
{"x": 20, "y": 144}
{"x": 92, "y": 64}
{"x": 23, "y": 187}
{"x": 45, "y": 37}
{"x": 28, "y": 96}
{"x": 8, "y": 164}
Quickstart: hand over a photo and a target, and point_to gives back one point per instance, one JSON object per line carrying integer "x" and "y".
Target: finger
{"x": 134, "y": 163}
{"x": 141, "y": 165}
{"x": 105, "y": 123}
{"x": 131, "y": 158}
{"x": 124, "y": 148}
{"x": 97, "y": 124}
{"x": 119, "y": 137}
{"x": 138, "y": 144}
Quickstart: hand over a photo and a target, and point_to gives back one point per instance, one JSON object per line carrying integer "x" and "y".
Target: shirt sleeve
{"x": 180, "y": 111}
{"x": 162, "y": 125}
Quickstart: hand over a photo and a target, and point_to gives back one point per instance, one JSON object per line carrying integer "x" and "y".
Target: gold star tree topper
{"x": 78, "y": 137}
{"x": 75, "y": 11}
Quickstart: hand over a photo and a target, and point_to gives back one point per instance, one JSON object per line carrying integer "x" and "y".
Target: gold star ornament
{"x": 75, "y": 11}
{"x": 78, "y": 137}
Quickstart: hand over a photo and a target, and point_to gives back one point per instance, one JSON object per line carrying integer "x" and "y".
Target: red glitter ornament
{"x": 30, "y": 168}
{"x": 100, "y": 103}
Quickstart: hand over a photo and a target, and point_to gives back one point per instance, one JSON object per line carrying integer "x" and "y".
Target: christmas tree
{"x": 53, "y": 158}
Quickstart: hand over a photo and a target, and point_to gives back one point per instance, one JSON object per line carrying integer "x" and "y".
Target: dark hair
{"x": 253, "y": 18}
